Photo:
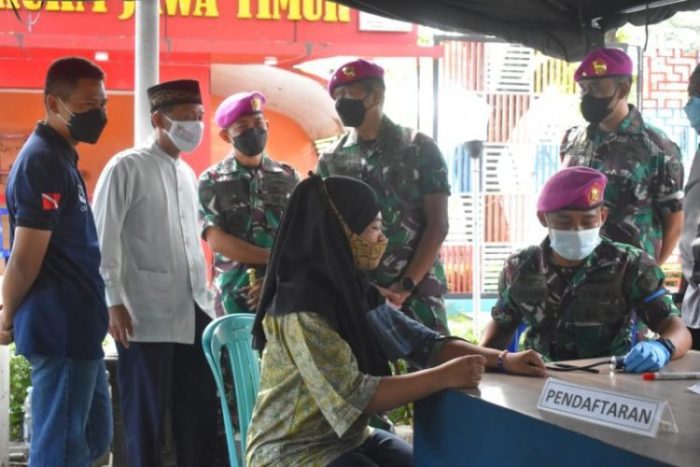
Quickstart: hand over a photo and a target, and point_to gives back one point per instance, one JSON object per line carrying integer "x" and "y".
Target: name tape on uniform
{"x": 612, "y": 409}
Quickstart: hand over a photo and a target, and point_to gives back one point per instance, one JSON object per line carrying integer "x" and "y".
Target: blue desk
{"x": 499, "y": 425}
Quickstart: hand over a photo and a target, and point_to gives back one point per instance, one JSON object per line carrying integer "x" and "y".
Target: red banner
{"x": 288, "y": 28}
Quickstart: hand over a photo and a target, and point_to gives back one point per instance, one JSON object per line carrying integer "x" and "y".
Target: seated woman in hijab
{"x": 328, "y": 336}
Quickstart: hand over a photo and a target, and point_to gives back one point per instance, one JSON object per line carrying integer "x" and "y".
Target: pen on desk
{"x": 671, "y": 375}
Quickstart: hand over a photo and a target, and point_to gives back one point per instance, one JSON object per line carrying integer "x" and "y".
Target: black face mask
{"x": 351, "y": 111}
{"x": 86, "y": 126}
{"x": 251, "y": 142}
{"x": 595, "y": 109}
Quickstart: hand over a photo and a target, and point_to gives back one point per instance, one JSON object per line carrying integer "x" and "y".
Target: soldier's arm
{"x": 673, "y": 225}
{"x": 437, "y": 226}
{"x": 435, "y": 190}
{"x": 496, "y": 337}
{"x": 654, "y": 305}
{"x": 234, "y": 248}
{"x": 668, "y": 198}
{"x": 504, "y": 318}
{"x": 219, "y": 241}
{"x": 672, "y": 328}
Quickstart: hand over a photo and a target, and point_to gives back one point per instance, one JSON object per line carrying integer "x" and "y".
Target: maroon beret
{"x": 604, "y": 63}
{"x": 354, "y": 71}
{"x": 575, "y": 188}
{"x": 238, "y": 105}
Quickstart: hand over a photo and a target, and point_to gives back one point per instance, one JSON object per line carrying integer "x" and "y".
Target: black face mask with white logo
{"x": 251, "y": 142}
{"x": 351, "y": 111}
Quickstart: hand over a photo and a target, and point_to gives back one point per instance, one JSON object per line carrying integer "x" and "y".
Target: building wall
{"x": 533, "y": 100}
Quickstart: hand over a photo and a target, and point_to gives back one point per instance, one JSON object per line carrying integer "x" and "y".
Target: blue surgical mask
{"x": 692, "y": 110}
{"x": 574, "y": 245}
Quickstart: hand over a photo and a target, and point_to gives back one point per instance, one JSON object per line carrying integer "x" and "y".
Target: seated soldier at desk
{"x": 578, "y": 292}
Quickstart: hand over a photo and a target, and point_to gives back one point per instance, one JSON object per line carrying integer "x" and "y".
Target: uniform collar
{"x": 57, "y": 141}
{"x": 632, "y": 124}
{"x": 230, "y": 165}
{"x": 268, "y": 165}
{"x": 386, "y": 128}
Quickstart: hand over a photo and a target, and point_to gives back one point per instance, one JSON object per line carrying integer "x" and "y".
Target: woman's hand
{"x": 464, "y": 372}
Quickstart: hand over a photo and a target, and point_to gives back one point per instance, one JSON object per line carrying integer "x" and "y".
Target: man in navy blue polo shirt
{"x": 53, "y": 294}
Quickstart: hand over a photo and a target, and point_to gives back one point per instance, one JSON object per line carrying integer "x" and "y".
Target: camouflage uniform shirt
{"x": 581, "y": 312}
{"x": 402, "y": 167}
{"x": 645, "y": 177}
{"x": 248, "y": 204}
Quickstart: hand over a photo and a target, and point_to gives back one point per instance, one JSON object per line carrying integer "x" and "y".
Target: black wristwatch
{"x": 407, "y": 284}
{"x": 668, "y": 344}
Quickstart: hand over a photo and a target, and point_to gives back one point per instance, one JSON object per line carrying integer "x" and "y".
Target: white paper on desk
{"x": 695, "y": 389}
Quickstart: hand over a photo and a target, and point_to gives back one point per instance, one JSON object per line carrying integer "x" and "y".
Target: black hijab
{"x": 312, "y": 268}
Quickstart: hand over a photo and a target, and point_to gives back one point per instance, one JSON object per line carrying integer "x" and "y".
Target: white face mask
{"x": 574, "y": 245}
{"x": 186, "y": 134}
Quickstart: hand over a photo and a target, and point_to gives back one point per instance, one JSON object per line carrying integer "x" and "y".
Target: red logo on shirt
{"x": 49, "y": 201}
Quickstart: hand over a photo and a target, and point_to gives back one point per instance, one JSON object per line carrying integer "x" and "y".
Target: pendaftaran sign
{"x": 625, "y": 412}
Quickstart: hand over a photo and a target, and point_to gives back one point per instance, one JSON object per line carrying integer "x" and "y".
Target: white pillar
{"x": 146, "y": 62}
{"x": 475, "y": 182}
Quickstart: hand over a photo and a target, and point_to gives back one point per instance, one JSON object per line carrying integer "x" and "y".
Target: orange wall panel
{"x": 20, "y": 112}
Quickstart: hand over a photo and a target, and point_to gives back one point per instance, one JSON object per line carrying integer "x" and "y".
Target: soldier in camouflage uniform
{"x": 576, "y": 291}
{"x": 409, "y": 175}
{"x": 643, "y": 166}
{"x": 241, "y": 201}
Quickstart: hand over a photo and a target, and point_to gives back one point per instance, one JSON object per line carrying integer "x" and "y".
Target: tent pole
{"x": 476, "y": 238}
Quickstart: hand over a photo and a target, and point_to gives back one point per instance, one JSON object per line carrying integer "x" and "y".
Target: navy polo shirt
{"x": 64, "y": 313}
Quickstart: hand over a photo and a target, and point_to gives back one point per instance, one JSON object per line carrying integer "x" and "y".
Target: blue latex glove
{"x": 647, "y": 356}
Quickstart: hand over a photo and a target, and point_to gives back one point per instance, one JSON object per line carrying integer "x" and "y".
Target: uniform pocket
{"x": 530, "y": 290}
{"x": 596, "y": 322}
{"x": 276, "y": 190}
{"x": 233, "y": 204}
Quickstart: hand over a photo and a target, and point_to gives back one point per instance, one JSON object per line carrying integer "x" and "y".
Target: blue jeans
{"x": 71, "y": 412}
{"x": 381, "y": 449}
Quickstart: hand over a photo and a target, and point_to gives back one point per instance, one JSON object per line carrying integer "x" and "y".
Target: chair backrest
{"x": 514, "y": 345}
{"x": 233, "y": 332}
